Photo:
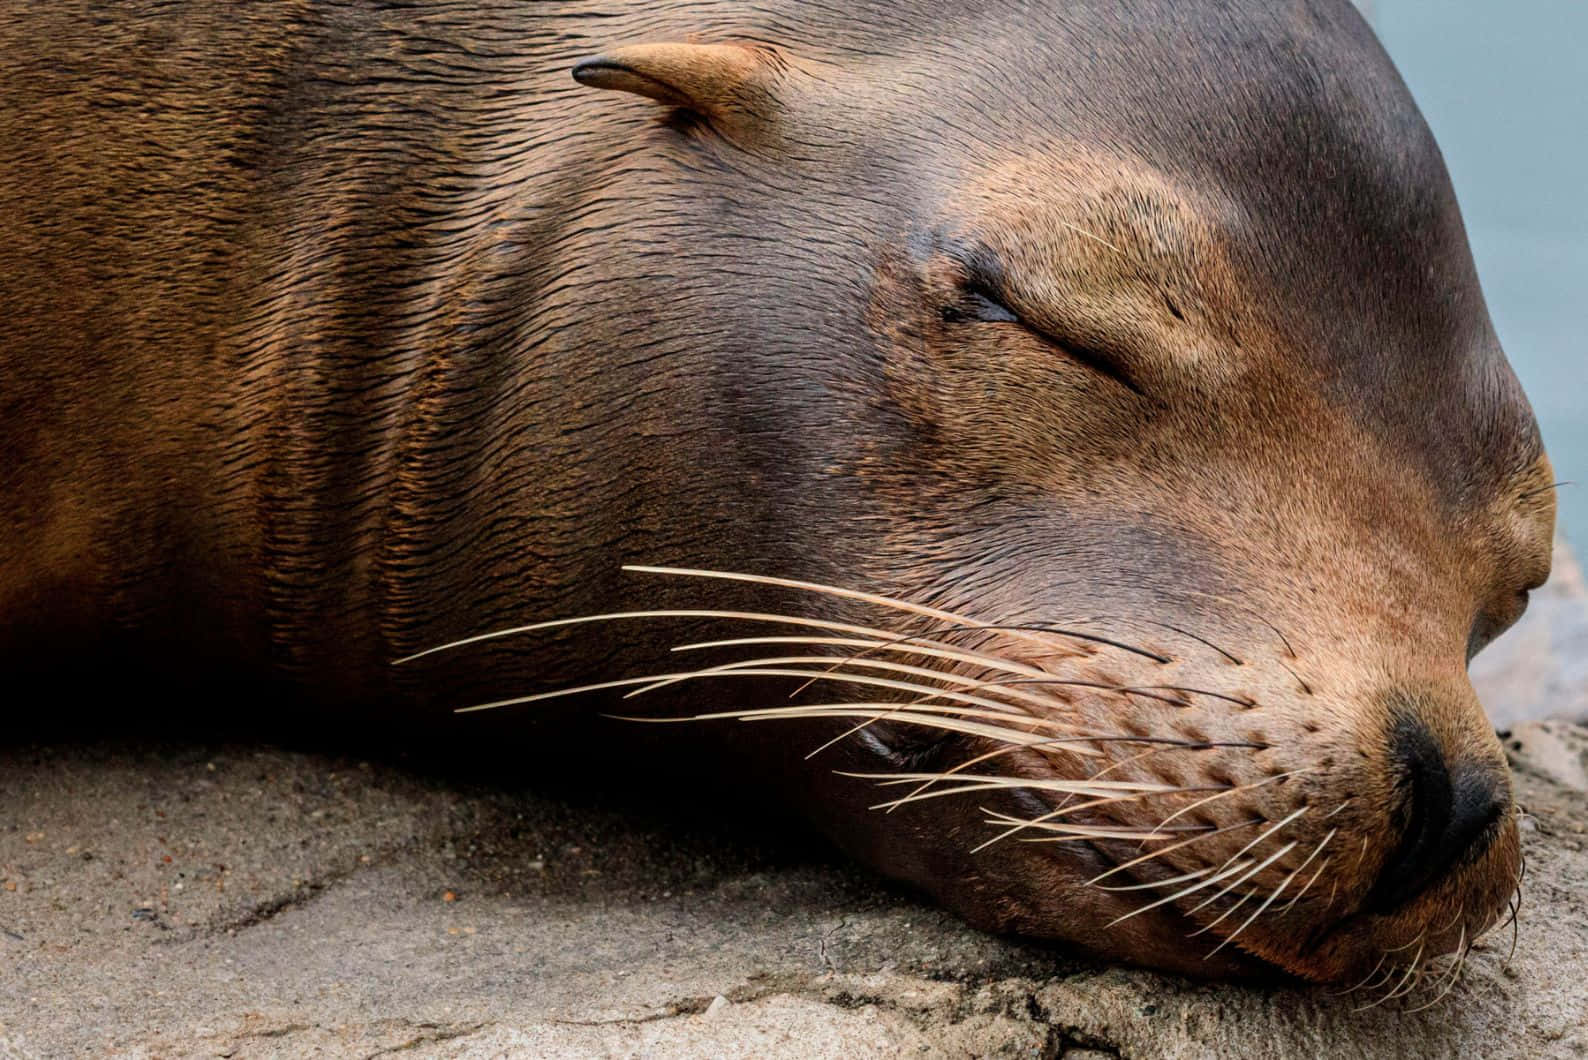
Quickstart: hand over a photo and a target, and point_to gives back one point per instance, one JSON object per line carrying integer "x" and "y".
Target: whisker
{"x": 1098, "y": 686}
{"x": 977, "y": 760}
{"x": 1253, "y": 871}
{"x": 1222, "y": 791}
{"x": 1094, "y": 881}
{"x": 1082, "y": 787}
{"x": 999, "y": 751}
{"x": 920, "y": 794}
{"x": 773, "y": 667}
{"x": 1274, "y": 779}
{"x": 624, "y": 616}
{"x": 888, "y": 602}
{"x": 1246, "y": 703}
{"x": 1545, "y": 489}
{"x": 899, "y": 645}
{"x": 1321, "y": 866}
{"x": 1383, "y": 980}
{"x": 1253, "y": 612}
{"x": 1271, "y": 898}
{"x": 1305, "y": 687}
{"x": 1454, "y": 974}
{"x": 1360, "y": 855}
{"x": 1069, "y": 831}
{"x": 1461, "y": 911}
{"x": 1200, "y": 640}
{"x": 999, "y": 709}
{"x": 1063, "y": 829}
{"x": 1406, "y": 946}
{"x": 1078, "y": 230}
{"x": 948, "y": 721}
{"x": 1411, "y": 968}
{"x": 1215, "y": 878}
{"x": 1414, "y": 975}
{"x": 1353, "y": 989}
{"x": 1003, "y": 686}
{"x": 1061, "y": 808}
{"x": 1265, "y": 834}
{"x": 1195, "y": 874}
{"x": 835, "y": 674}
{"x": 1515, "y": 929}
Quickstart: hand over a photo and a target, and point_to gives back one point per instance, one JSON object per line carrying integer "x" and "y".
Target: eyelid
{"x": 980, "y": 295}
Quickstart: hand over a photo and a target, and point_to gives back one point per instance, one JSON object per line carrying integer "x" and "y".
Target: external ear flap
{"x": 715, "y": 80}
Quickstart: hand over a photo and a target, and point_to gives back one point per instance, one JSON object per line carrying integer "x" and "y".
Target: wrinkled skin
{"x": 330, "y": 334}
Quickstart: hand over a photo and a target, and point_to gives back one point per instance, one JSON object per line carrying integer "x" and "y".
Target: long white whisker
{"x": 1316, "y": 851}
{"x": 1064, "y": 808}
{"x": 838, "y": 673}
{"x": 1154, "y": 855}
{"x": 1271, "y": 898}
{"x": 1449, "y": 981}
{"x": 1059, "y": 810}
{"x": 1184, "y": 892}
{"x": 1403, "y": 985}
{"x": 1223, "y": 794}
{"x": 1170, "y": 882}
{"x": 1265, "y": 834}
{"x": 625, "y": 616}
{"x": 971, "y": 786}
{"x": 1062, "y": 832}
{"x": 922, "y": 646}
{"x": 1000, "y": 708}
{"x": 1414, "y": 976}
{"x": 1255, "y": 869}
{"x": 1365, "y": 979}
{"x": 956, "y": 770}
{"x": 1073, "y": 743}
{"x": 1406, "y": 946}
{"x": 949, "y": 722}
{"x": 1321, "y": 866}
{"x": 889, "y": 602}
{"x": 761, "y": 617}
{"x": 1101, "y": 789}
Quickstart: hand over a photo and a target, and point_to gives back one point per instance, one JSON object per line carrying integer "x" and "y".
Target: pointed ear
{"x": 714, "y": 80}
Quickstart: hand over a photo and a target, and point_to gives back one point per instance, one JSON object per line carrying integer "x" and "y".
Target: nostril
{"x": 1448, "y": 811}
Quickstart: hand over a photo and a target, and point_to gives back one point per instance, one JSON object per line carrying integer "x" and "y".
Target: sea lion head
{"x": 1139, "y": 357}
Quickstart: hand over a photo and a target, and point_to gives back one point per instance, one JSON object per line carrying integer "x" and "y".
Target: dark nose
{"x": 1450, "y": 810}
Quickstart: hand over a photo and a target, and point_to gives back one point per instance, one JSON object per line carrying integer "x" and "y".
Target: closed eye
{"x": 980, "y": 305}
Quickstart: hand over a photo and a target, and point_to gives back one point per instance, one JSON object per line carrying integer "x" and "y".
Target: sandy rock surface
{"x": 238, "y": 902}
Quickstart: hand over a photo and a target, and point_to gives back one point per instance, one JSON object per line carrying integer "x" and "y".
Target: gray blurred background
{"x": 1505, "y": 87}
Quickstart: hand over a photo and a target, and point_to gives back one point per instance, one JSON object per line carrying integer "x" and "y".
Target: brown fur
{"x": 331, "y": 331}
